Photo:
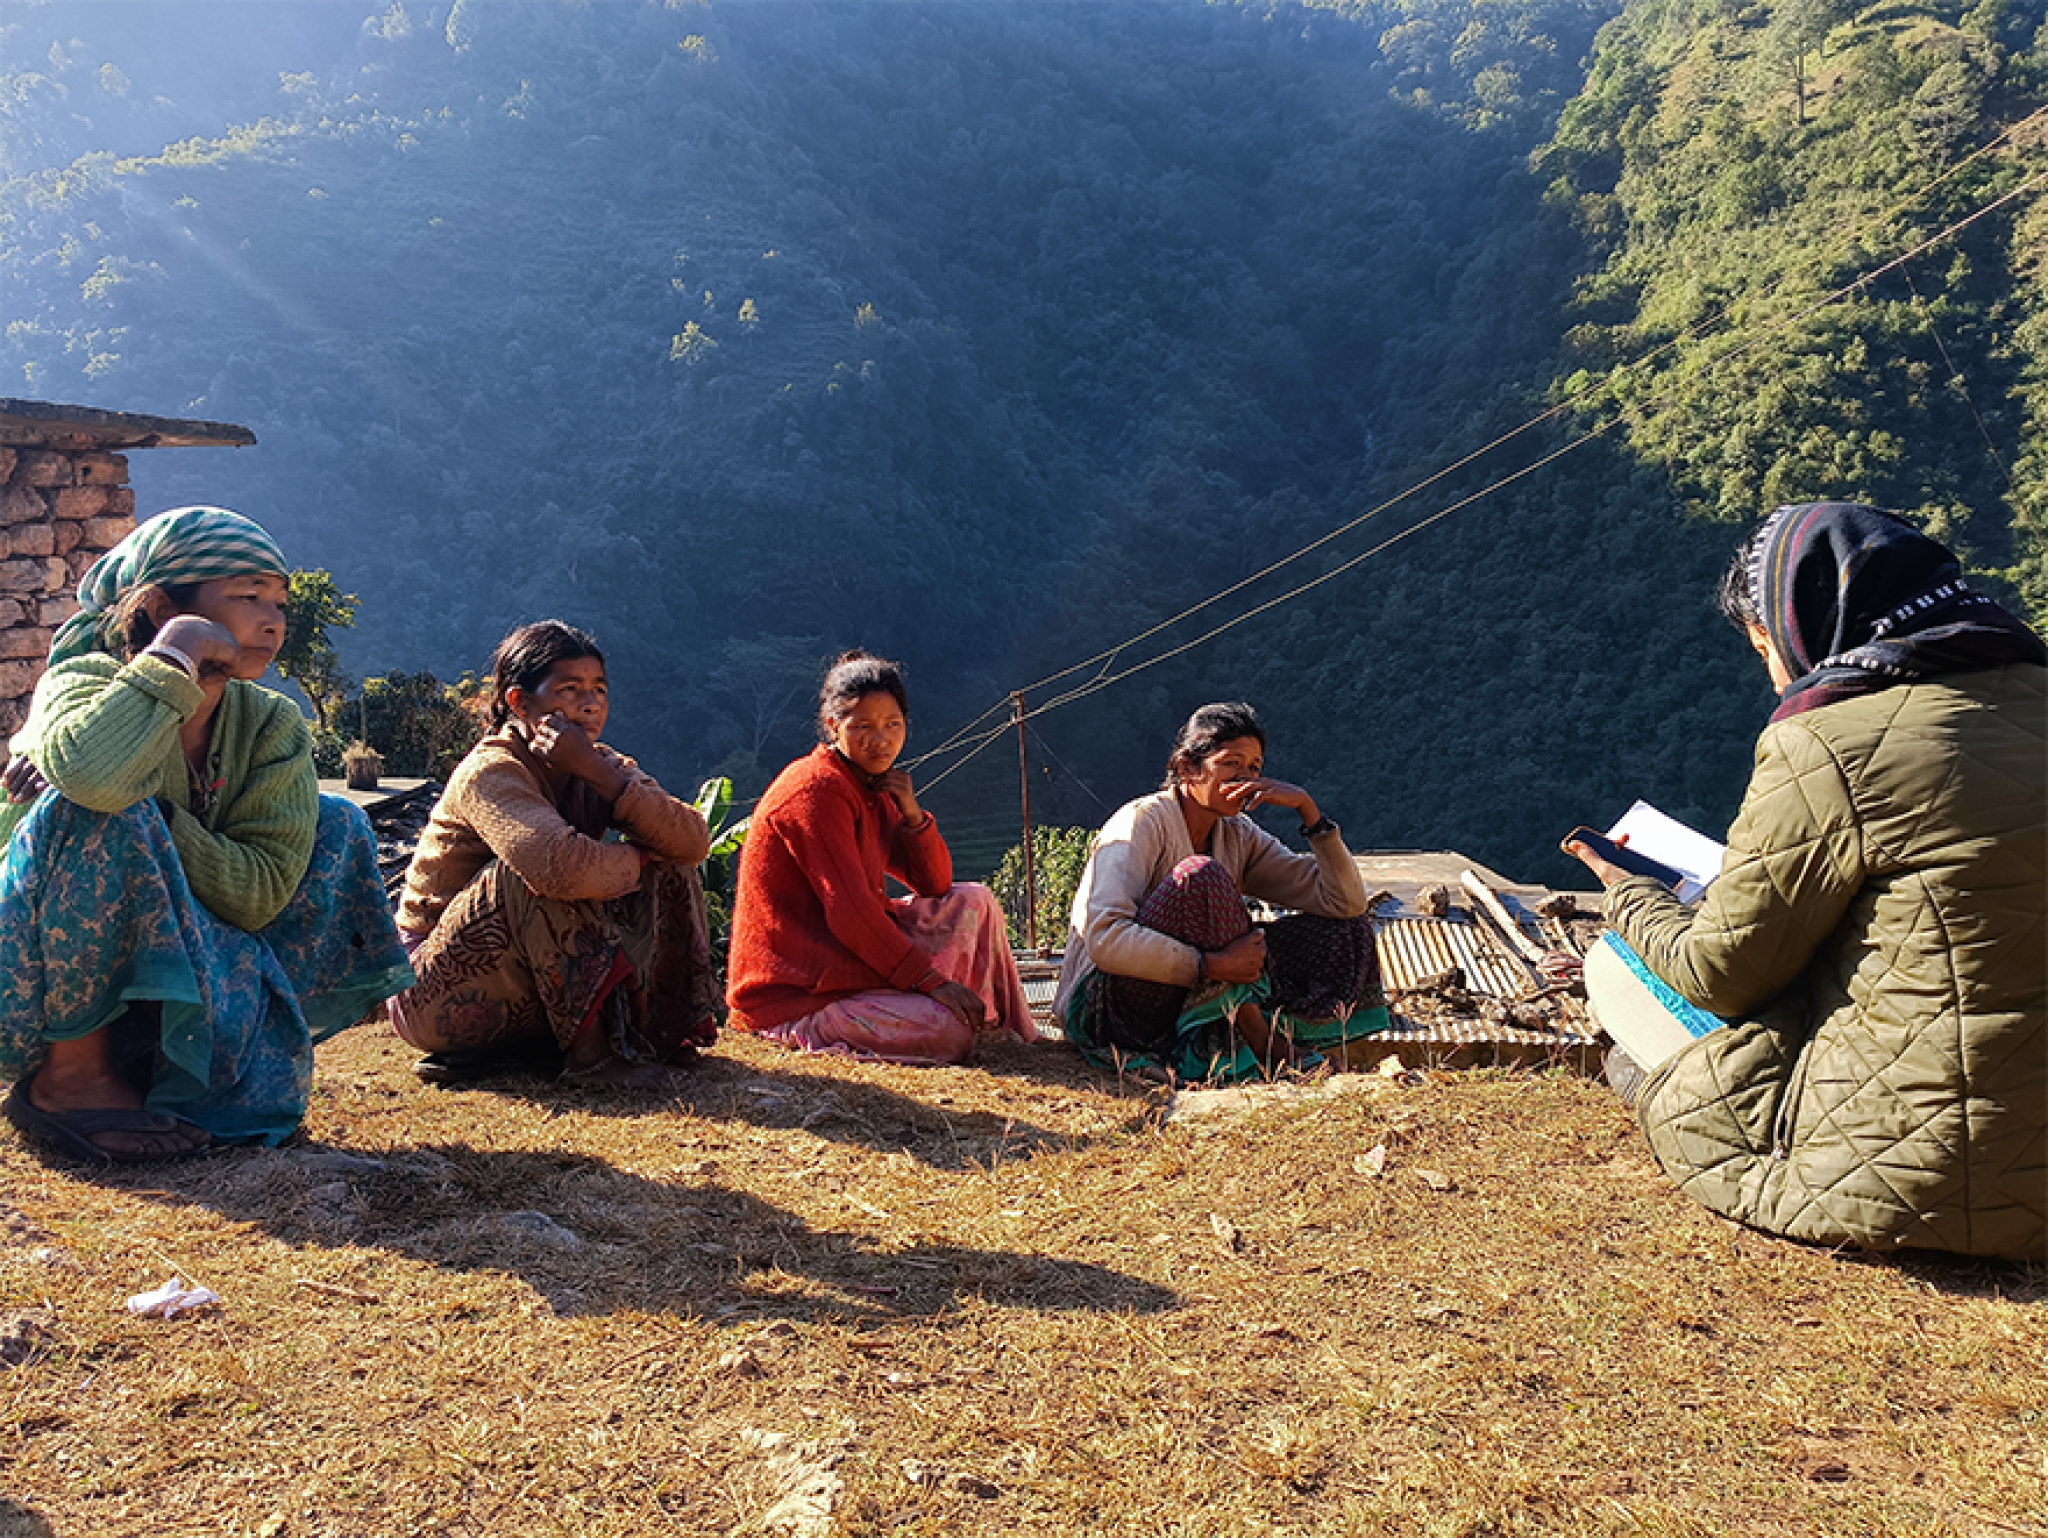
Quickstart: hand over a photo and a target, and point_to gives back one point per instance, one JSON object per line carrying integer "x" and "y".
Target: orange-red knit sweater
{"x": 811, "y": 922}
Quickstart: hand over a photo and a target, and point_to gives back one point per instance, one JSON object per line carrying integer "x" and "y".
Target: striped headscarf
{"x": 187, "y": 544}
{"x": 1856, "y": 600}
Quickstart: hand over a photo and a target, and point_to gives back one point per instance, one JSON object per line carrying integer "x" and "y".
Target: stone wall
{"x": 60, "y": 510}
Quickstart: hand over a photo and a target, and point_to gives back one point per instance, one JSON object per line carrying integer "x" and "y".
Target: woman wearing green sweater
{"x": 182, "y": 914}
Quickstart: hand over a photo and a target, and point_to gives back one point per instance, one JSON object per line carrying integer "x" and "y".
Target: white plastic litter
{"x": 172, "y": 1299}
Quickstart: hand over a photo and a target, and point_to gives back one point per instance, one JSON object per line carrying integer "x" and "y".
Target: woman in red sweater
{"x": 822, "y": 959}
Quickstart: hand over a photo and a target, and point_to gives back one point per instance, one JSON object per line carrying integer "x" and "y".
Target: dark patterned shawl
{"x": 1856, "y": 601}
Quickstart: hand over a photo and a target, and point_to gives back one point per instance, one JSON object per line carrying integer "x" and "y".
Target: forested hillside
{"x": 996, "y": 335}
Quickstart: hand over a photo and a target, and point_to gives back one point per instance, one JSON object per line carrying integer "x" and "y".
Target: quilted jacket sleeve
{"x": 1795, "y": 861}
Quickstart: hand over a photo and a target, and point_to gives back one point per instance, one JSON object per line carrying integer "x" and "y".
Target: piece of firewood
{"x": 1483, "y": 896}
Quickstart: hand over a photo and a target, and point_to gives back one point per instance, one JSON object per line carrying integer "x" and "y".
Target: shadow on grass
{"x": 1963, "y": 1276}
{"x": 927, "y": 1127}
{"x": 1059, "y": 1063}
{"x": 592, "y": 1239}
{"x": 20, "y": 1520}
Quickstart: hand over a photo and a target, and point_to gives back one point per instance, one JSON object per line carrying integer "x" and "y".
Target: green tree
{"x": 1797, "y": 35}
{"x": 420, "y": 725}
{"x": 308, "y": 657}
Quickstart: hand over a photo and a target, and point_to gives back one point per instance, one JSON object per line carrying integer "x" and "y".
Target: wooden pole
{"x": 1030, "y": 866}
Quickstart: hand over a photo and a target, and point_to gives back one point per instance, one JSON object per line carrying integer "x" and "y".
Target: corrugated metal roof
{"x": 1041, "y": 979}
{"x": 1414, "y": 951}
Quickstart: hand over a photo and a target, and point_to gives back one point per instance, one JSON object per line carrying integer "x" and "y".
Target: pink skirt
{"x": 964, "y": 934}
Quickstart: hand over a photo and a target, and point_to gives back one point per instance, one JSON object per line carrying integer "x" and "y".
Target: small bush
{"x": 722, "y": 865}
{"x": 1057, "y": 855}
{"x": 328, "y": 747}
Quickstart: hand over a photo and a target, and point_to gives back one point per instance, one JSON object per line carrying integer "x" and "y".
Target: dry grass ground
{"x": 805, "y": 1296}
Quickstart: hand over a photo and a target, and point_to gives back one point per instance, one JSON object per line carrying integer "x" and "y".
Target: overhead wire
{"x": 975, "y": 742}
{"x": 1106, "y": 677}
{"x": 1958, "y": 382}
{"x": 1047, "y": 749}
{"x": 1566, "y": 404}
{"x": 1555, "y": 454}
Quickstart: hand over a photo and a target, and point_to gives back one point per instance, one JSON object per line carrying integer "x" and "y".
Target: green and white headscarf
{"x": 187, "y": 544}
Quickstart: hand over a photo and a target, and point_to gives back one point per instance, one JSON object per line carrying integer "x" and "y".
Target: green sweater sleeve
{"x": 103, "y": 733}
{"x": 247, "y": 865}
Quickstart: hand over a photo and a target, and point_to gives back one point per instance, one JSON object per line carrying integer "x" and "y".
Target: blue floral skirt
{"x": 96, "y": 916}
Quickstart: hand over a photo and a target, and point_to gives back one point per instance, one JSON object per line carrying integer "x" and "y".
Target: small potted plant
{"x": 361, "y": 764}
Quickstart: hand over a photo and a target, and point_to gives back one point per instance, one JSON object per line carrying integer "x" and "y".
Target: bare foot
{"x": 1274, "y": 1049}
{"x": 1147, "y": 1070}
{"x": 79, "y": 1075}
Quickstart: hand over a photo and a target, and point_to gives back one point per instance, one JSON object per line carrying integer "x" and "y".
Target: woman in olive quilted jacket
{"x": 1876, "y": 939}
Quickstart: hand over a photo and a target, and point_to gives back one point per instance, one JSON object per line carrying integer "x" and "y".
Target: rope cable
{"x": 1105, "y": 660}
{"x": 1104, "y": 679}
{"x": 1564, "y": 405}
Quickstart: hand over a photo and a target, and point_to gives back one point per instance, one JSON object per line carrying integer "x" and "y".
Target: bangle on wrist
{"x": 174, "y": 657}
{"x": 919, "y": 823}
{"x": 1318, "y": 828}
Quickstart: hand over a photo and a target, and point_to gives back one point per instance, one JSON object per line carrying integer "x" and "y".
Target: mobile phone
{"x": 1622, "y": 856}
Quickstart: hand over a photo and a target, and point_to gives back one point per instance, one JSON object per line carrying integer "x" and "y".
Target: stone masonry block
{"x": 67, "y": 569}
{"x": 25, "y": 576}
{"x": 81, "y": 502}
{"x": 121, "y": 501}
{"x": 44, "y": 467}
{"x": 30, "y": 539}
{"x": 13, "y": 611}
{"x": 29, "y": 641}
{"x": 65, "y": 537}
{"x": 18, "y": 678}
{"x": 22, "y": 504}
{"x": 101, "y": 469}
{"x": 6, "y": 466}
{"x": 105, "y": 533}
{"x": 54, "y": 611}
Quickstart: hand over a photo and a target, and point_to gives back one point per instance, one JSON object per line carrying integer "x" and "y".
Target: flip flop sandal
{"x": 466, "y": 1065}
{"x": 72, "y": 1130}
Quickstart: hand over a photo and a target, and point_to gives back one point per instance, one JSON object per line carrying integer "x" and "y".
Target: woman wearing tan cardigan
{"x": 534, "y": 935}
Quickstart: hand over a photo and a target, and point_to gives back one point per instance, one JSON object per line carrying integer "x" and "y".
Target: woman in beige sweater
{"x": 1164, "y": 970}
{"x": 537, "y": 938}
